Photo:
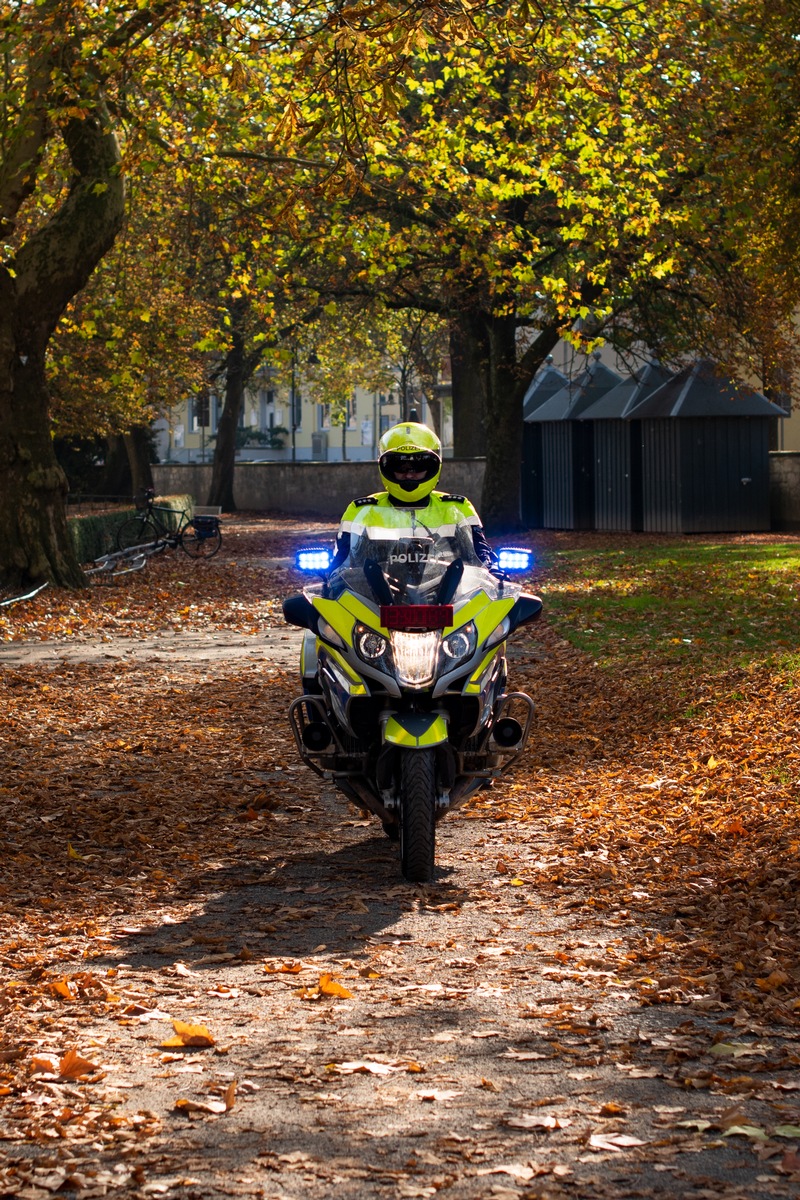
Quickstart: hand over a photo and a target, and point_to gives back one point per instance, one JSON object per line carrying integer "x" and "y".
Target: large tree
{"x": 83, "y": 87}
{"x": 94, "y": 94}
{"x": 51, "y": 93}
{"x": 526, "y": 183}
{"x": 556, "y": 172}
{"x": 511, "y": 170}
{"x": 91, "y": 91}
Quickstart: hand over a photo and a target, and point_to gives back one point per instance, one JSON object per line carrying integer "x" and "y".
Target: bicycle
{"x": 199, "y": 536}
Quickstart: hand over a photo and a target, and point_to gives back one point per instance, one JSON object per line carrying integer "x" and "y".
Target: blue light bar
{"x": 313, "y": 558}
{"x": 513, "y": 558}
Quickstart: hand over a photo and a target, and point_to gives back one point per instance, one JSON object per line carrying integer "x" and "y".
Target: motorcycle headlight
{"x": 458, "y": 645}
{"x": 369, "y": 644}
{"x": 499, "y": 634}
{"x": 415, "y": 656}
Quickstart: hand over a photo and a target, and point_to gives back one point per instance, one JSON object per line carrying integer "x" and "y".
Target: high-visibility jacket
{"x": 440, "y": 511}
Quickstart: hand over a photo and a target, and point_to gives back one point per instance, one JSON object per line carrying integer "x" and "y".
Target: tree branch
{"x": 57, "y": 260}
{"x": 22, "y": 157}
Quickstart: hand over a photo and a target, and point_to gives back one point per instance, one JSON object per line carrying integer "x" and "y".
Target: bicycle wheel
{"x": 199, "y": 541}
{"x": 136, "y": 532}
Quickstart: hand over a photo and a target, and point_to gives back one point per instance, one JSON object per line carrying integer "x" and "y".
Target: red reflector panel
{"x": 416, "y": 616}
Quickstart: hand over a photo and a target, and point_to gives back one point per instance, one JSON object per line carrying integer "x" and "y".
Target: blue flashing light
{"x": 513, "y": 558}
{"x": 313, "y": 558}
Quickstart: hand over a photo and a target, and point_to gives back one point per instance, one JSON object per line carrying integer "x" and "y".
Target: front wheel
{"x": 199, "y": 541}
{"x": 136, "y": 532}
{"x": 417, "y": 814}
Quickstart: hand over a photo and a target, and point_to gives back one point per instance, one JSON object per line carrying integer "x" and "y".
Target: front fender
{"x": 415, "y": 731}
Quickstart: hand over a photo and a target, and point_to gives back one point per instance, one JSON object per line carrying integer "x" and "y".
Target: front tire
{"x": 417, "y": 814}
{"x": 135, "y": 532}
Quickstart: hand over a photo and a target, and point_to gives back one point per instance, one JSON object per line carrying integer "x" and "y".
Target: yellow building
{"x": 268, "y": 432}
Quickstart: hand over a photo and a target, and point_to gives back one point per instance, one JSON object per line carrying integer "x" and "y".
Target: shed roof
{"x": 626, "y": 395}
{"x": 546, "y": 382}
{"x": 701, "y": 390}
{"x": 578, "y": 394}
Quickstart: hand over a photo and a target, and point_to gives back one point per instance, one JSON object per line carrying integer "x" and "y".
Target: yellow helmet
{"x": 406, "y": 450}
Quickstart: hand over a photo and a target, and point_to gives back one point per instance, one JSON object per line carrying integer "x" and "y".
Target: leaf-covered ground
{"x": 215, "y": 982}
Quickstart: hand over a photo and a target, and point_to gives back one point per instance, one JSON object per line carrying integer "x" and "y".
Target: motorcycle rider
{"x": 409, "y": 464}
{"x": 376, "y": 724}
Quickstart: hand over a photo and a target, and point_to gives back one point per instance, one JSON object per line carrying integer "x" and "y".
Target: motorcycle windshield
{"x": 412, "y": 560}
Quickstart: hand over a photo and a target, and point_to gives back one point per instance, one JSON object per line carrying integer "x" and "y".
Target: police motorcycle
{"x": 404, "y": 706}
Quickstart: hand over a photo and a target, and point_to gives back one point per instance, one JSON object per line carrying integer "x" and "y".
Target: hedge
{"x": 96, "y": 534}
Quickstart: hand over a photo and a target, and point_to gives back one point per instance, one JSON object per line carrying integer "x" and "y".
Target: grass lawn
{"x": 706, "y": 603}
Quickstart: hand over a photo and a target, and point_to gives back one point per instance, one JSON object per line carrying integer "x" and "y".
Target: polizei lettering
{"x": 411, "y": 556}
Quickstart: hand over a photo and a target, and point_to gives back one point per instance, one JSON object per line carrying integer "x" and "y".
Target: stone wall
{"x": 325, "y": 489}
{"x": 784, "y": 489}
{"x": 306, "y": 488}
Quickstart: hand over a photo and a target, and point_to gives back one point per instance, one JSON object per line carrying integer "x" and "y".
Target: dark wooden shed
{"x": 617, "y": 449}
{"x": 558, "y": 453}
{"x": 546, "y": 382}
{"x": 704, "y": 447}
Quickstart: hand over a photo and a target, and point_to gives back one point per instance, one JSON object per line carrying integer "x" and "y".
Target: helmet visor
{"x": 409, "y": 470}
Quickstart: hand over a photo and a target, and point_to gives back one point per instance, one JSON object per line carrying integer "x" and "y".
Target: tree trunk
{"x": 137, "y": 445}
{"x": 34, "y": 541}
{"x": 500, "y": 500}
{"x": 50, "y": 268}
{"x": 434, "y": 406}
{"x": 508, "y": 381}
{"x": 221, "y": 491}
{"x": 116, "y": 479}
{"x": 469, "y": 360}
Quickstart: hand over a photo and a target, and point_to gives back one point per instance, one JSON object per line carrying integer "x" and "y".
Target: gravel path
{"x": 344, "y": 1033}
{"x": 278, "y": 646}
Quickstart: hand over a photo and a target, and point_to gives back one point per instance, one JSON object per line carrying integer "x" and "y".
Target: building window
{"x": 201, "y": 411}
{"x": 296, "y": 408}
{"x": 266, "y": 404}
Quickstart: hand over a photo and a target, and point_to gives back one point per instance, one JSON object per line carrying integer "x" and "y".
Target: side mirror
{"x": 298, "y": 610}
{"x": 526, "y": 610}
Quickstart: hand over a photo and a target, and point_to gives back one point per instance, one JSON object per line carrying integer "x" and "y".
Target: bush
{"x": 95, "y": 535}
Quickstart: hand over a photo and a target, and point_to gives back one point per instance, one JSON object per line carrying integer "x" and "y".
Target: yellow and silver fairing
{"x": 409, "y": 562}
